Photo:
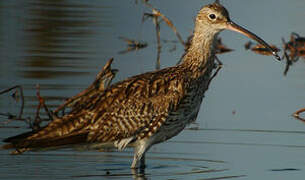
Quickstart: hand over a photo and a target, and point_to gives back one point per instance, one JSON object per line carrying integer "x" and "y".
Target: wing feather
{"x": 139, "y": 108}
{"x": 136, "y": 107}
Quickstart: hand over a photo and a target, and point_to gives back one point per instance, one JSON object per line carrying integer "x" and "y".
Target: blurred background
{"x": 244, "y": 129}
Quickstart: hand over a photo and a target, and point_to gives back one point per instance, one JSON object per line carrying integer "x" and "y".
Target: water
{"x": 244, "y": 129}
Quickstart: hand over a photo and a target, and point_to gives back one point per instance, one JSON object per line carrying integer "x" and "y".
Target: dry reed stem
{"x": 157, "y": 27}
{"x": 157, "y": 24}
{"x": 297, "y": 114}
{"x": 132, "y": 45}
{"x": 101, "y": 82}
{"x": 21, "y": 95}
{"x": 168, "y": 22}
{"x": 218, "y": 67}
{"x": 37, "y": 120}
{"x": 42, "y": 103}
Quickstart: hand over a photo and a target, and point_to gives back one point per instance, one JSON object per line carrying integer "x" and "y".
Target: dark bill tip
{"x": 234, "y": 27}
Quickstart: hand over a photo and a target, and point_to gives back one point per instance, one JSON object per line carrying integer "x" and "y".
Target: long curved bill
{"x": 234, "y": 27}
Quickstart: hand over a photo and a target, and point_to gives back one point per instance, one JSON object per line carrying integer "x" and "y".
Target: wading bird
{"x": 145, "y": 109}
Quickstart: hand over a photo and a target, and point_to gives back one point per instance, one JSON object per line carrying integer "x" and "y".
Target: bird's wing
{"x": 139, "y": 106}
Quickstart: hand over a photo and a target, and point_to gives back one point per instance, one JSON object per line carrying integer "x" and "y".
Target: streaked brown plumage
{"x": 145, "y": 109}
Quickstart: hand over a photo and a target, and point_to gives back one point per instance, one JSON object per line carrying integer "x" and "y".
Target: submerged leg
{"x": 138, "y": 175}
{"x": 142, "y": 162}
{"x": 139, "y": 155}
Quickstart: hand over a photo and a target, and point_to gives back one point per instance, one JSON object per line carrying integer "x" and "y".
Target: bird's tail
{"x": 60, "y": 132}
{"x": 7, "y": 146}
{"x": 23, "y": 144}
{"x": 12, "y": 141}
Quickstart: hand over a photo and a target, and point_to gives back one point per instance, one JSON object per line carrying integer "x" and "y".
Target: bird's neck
{"x": 201, "y": 53}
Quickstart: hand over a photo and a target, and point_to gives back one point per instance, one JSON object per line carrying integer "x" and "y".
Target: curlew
{"x": 145, "y": 109}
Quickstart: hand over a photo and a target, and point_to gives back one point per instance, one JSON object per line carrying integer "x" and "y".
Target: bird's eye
{"x": 212, "y": 16}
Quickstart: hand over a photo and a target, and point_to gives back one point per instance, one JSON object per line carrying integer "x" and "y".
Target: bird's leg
{"x": 139, "y": 155}
{"x": 138, "y": 175}
{"x": 142, "y": 162}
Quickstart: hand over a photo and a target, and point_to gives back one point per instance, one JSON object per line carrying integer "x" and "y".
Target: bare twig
{"x": 37, "y": 120}
{"x": 158, "y": 41}
{"x": 21, "y": 95}
{"x": 42, "y": 102}
{"x": 293, "y": 50}
{"x": 218, "y": 67}
{"x": 167, "y": 21}
{"x": 248, "y": 45}
{"x": 297, "y": 114}
{"x": 132, "y": 45}
{"x": 288, "y": 62}
{"x": 155, "y": 18}
{"x": 10, "y": 117}
{"x": 101, "y": 82}
{"x": 218, "y": 61}
{"x": 221, "y": 48}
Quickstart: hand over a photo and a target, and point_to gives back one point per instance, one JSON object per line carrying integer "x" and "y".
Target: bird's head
{"x": 213, "y": 18}
{"x": 213, "y": 15}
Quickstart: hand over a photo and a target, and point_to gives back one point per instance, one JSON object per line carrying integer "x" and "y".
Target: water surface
{"x": 244, "y": 129}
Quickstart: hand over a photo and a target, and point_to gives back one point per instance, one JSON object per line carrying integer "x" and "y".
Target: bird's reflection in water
{"x": 138, "y": 174}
